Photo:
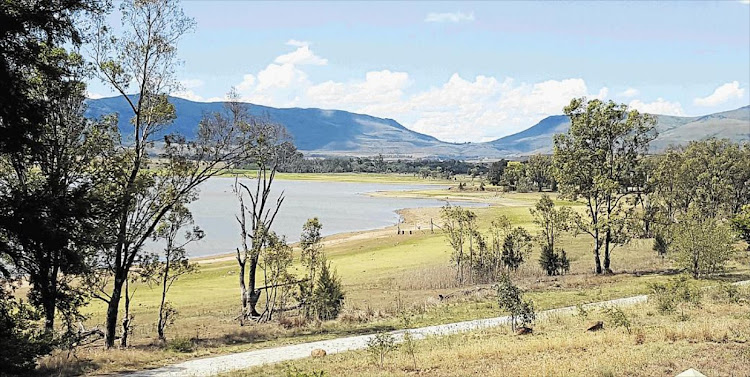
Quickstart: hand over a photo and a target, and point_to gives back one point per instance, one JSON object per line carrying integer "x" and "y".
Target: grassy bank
{"x": 711, "y": 337}
{"x": 384, "y": 275}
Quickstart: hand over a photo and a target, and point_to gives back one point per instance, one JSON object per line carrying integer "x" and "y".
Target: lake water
{"x": 340, "y": 206}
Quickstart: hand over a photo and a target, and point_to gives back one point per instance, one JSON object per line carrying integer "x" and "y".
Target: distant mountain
{"x": 673, "y": 130}
{"x": 335, "y": 132}
{"x": 314, "y": 130}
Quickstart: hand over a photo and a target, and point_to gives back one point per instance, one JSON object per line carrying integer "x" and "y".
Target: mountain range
{"x": 320, "y": 132}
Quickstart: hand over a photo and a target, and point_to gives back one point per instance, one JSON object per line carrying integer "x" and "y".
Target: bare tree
{"x": 269, "y": 147}
{"x": 141, "y": 61}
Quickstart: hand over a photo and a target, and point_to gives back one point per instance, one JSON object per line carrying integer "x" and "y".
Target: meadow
{"x": 386, "y": 275}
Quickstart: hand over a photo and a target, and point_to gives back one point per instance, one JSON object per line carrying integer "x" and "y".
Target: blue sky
{"x": 468, "y": 71}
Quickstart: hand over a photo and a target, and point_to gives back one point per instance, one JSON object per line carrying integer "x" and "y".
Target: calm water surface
{"x": 340, "y": 206}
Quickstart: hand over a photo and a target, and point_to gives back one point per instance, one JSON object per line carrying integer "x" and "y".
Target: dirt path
{"x": 212, "y": 366}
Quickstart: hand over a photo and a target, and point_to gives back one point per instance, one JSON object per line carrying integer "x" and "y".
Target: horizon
{"x": 467, "y": 71}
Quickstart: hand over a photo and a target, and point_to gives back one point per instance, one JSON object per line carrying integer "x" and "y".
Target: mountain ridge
{"x": 330, "y": 132}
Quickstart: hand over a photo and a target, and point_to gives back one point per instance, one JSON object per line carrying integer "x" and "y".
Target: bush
{"x": 617, "y": 317}
{"x": 292, "y": 371}
{"x": 183, "y": 345}
{"x": 380, "y": 345}
{"x": 510, "y": 298}
{"x": 678, "y": 292}
{"x": 20, "y": 342}
{"x": 554, "y": 262}
{"x": 328, "y": 297}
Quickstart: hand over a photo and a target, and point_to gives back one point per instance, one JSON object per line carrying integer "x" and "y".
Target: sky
{"x": 467, "y": 71}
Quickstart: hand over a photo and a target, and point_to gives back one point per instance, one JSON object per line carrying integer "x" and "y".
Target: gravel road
{"x": 212, "y": 366}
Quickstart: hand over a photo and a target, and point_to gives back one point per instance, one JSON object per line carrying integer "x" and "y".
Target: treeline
{"x": 425, "y": 168}
{"x": 694, "y": 200}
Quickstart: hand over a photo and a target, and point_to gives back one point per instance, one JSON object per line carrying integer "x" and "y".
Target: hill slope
{"x": 317, "y": 130}
{"x": 336, "y": 132}
{"x": 673, "y": 130}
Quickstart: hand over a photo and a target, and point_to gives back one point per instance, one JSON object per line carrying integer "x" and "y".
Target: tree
{"x": 598, "y": 161}
{"x": 497, "y": 169}
{"x": 510, "y": 298}
{"x": 275, "y": 261}
{"x": 702, "y": 245}
{"x": 141, "y": 60}
{"x": 516, "y": 245}
{"x": 32, "y": 31}
{"x": 50, "y": 210}
{"x": 328, "y": 296}
{"x": 552, "y": 221}
{"x": 311, "y": 256}
{"x": 741, "y": 224}
{"x": 539, "y": 171}
{"x": 459, "y": 226}
{"x": 175, "y": 263}
{"x": 268, "y": 148}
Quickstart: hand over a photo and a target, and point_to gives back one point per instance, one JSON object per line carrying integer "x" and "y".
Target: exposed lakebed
{"x": 340, "y": 206}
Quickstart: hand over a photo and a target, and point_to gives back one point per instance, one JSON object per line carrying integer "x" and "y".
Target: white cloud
{"x": 721, "y": 95}
{"x": 449, "y": 17}
{"x": 301, "y": 56}
{"x": 660, "y": 106}
{"x": 460, "y": 109}
{"x": 92, "y": 95}
{"x": 630, "y": 92}
{"x": 188, "y": 95}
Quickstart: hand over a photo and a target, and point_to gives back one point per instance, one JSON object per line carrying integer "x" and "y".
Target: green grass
{"x": 383, "y": 275}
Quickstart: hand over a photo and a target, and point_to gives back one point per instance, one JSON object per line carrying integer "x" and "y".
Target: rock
{"x": 523, "y": 330}
{"x": 599, "y": 325}
{"x": 318, "y": 352}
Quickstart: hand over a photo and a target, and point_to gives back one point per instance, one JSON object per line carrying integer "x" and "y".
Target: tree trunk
{"x": 160, "y": 325}
{"x": 113, "y": 308}
{"x": 126, "y": 317}
{"x": 607, "y": 241}
{"x": 48, "y": 305}
{"x": 243, "y": 293}
{"x": 598, "y": 262}
{"x": 253, "y": 295}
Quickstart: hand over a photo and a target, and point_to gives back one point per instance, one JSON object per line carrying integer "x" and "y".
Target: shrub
{"x": 617, "y": 317}
{"x": 510, "y": 298}
{"x": 328, "y": 297}
{"x": 678, "y": 292}
{"x": 380, "y": 345}
{"x": 554, "y": 262}
{"x": 292, "y": 371}
{"x": 21, "y": 343}
{"x": 184, "y": 345}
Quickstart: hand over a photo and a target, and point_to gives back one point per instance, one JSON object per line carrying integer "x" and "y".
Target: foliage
{"x": 312, "y": 258}
{"x": 677, "y": 293}
{"x": 599, "y": 161}
{"x": 539, "y": 171}
{"x": 459, "y": 227}
{"x": 552, "y": 221}
{"x": 510, "y": 298}
{"x": 181, "y": 344}
{"x": 660, "y": 244}
{"x": 702, "y": 245}
{"x": 741, "y": 224}
{"x": 516, "y": 245}
{"x": 275, "y": 261}
{"x": 617, "y": 317}
{"x": 409, "y": 344}
{"x": 174, "y": 264}
{"x": 20, "y": 341}
{"x": 380, "y": 345}
{"x": 496, "y": 171}
{"x": 328, "y": 296}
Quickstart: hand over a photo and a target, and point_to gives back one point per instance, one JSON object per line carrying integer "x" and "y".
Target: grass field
{"x": 711, "y": 338}
{"x": 384, "y": 275}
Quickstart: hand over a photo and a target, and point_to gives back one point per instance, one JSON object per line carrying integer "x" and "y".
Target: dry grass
{"x": 383, "y": 275}
{"x": 713, "y": 340}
